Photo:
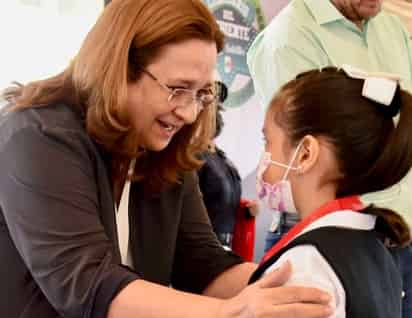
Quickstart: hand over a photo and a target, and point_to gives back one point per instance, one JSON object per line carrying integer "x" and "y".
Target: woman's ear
{"x": 308, "y": 154}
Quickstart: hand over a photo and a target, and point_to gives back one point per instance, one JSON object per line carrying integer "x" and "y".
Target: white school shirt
{"x": 310, "y": 268}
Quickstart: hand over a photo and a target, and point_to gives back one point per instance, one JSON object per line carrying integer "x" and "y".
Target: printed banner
{"x": 240, "y": 21}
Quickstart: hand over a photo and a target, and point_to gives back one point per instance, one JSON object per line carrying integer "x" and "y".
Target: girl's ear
{"x": 308, "y": 154}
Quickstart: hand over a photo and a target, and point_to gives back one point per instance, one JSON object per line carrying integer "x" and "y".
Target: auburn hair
{"x": 371, "y": 151}
{"x": 127, "y": 36}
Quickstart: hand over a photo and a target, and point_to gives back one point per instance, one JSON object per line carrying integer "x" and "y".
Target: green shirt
{"x": 310, "y": 34}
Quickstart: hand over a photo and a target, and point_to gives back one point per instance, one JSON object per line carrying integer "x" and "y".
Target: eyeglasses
{"x": 182, "y": 97}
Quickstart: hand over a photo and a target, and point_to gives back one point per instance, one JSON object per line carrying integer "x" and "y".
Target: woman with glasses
{"x": 101, "y": 212}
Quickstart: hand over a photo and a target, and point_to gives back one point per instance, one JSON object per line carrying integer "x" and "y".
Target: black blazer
{"x": 58, "y": 236}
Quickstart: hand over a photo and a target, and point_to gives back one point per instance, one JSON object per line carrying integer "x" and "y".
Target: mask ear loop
{"x": 290, "y": 167}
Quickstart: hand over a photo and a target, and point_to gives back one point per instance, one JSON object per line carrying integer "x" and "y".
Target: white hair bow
{"x": 379, "y": 87}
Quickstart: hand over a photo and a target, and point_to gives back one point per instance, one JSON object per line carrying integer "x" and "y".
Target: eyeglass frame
{"x": 172, "y": 93}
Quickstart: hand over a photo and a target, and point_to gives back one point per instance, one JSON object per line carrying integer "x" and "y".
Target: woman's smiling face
{"x": 188, "y": 65}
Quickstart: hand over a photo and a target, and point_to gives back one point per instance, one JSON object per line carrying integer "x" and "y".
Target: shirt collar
{"x": 345, "y": 219}
{"x": 325, "y": 12}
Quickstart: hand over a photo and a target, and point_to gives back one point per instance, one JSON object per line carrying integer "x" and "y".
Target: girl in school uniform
{"x": 330, "y": 136}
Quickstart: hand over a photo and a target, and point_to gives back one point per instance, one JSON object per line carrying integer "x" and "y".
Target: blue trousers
{"x": 273, "y": 237}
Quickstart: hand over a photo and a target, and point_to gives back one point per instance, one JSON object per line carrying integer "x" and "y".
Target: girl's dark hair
{"x": 372, "y": 153}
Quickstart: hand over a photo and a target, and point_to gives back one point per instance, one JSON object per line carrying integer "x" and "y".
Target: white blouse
{"x": 122, "y": 220}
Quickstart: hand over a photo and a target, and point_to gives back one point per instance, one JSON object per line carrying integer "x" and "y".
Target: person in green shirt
{"x": 313, "y": 34}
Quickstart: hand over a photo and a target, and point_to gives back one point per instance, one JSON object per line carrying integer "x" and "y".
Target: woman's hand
{"x": 265, "y": 299}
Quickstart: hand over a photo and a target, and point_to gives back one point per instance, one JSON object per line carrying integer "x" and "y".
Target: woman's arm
{"x": 50, "y": 203}
{"x": 231, "y": 282}
{"x": 262, "y": 299}
{"x": 147, "y": 300}
{"x": 202, "y": 265}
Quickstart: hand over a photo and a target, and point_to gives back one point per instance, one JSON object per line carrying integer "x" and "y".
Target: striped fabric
{"x": 403, "y": 8}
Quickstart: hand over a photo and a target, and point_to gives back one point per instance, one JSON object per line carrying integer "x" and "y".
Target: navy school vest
{"x": 365, "y": 267}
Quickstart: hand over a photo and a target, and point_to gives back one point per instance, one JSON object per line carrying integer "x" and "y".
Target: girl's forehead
{"x": 270, "y": 123}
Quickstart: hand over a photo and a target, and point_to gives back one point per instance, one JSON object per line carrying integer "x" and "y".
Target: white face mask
{"x": 277, "y": 196}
